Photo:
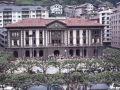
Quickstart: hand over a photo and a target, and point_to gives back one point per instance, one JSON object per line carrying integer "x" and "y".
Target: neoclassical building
{"x": 42, "y": 37}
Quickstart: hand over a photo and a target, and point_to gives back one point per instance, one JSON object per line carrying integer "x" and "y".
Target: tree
{"x": 112, "y": 58}
{"x": 4, "y": 62}
{"x": 28, "y": 65}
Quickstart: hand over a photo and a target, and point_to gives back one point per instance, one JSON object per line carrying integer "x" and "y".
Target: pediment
{"x": 56, "y": 24}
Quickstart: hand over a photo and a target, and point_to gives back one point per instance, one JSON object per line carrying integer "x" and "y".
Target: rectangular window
{"x": 52, "y": 41}
{"x": 95, "y": 40}
{"x": 41, "y": 42}
{"x": 15, "y": 34}
{"x": 84, "y": 33}
{"x": 84, "y": 41}
{"x": 71, "y": 41}
{"x": 34, "y": 34}
{"x": 27, "y": 42}
{"x": 15, "y": 42}
{"x": 34, "y": 42}
{"x": 40, "y": 33}
{"x": 77, "y": 33}
{"x": 27, "y": 33}
{"x": 77, "y": 41}
{"x": 71, "y": 33}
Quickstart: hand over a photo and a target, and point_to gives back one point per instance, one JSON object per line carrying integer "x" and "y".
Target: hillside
{"x": 63, "y": 2}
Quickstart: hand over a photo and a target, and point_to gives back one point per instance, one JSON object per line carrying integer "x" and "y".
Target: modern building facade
{"x": 56, "y": 9}
{"x": 115, "y": 27}
{"x": 43, "y": 37}
{"x": 12, "y": 14}
{"x": 104, "y": 18}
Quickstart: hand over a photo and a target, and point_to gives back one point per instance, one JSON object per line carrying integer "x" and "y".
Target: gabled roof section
{"x": 56, "y": 21}
{"x": 35, "y": 22}
{"x": 56, "y": 24}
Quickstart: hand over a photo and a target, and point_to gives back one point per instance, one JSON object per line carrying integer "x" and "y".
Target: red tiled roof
{"x": 35, "y": 22}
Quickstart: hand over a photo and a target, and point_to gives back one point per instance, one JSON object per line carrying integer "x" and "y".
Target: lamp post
{"x": 31, "y": 39}
{"x": 67, "y": 70}
{"x": 83, "y": 43}
{"x": 96, "y": 51}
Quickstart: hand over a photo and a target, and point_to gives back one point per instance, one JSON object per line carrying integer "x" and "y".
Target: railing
{"x": 33, "y": 46}
{"x": 56, "y": 45}
{"x": 96, "y": 44}
{"x": 15, "y": 46}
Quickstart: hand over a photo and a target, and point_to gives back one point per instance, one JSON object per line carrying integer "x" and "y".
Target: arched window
{"x": 77, "y": 52}
{"x": 15, "y": 53}
{"x": 71, "y": 52}
{"x": 41, "y": 53}
{"x": 27, "y": 53}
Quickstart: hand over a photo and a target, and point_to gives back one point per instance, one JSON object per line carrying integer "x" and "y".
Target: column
{"x": 24, "y": 38}
{"x": 21, "y": 39}
{"x": 50, "y": 36}
{"x": 66, "y": 37}
{"x": 89, "y": 37}
{"x": 81, "y": 37}
{"x": 43, "y": 33}
{"x": 37, "y": 38}
{"x": 101, "y": 37}
{"x": 74, "y": 37}
{"x": 30, "y": 39}
{"x": 61, "y": 36}
{"x": 37, "y": 51}
{"x": 81, "y": 53}
{"x": 9, "y": 39}
{"x": 30, "y": 43}
{"x": 74, "y": 52}
{"x": 46, "y": 33}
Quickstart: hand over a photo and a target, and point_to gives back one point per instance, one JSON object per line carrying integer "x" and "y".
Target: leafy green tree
{"x": 112, "y": 58}
{"x": 4, "y": 62}
{"x": 28, "y": 65}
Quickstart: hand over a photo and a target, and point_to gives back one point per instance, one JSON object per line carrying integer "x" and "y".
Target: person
{"x": 67, "y": 88}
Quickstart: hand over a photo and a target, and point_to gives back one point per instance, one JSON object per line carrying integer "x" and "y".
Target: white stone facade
{"x": 56, "y": 9}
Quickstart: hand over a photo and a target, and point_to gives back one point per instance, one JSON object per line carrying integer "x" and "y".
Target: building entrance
{"x": 56, "y": 52}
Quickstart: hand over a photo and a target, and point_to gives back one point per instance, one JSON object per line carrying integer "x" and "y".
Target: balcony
{"x": 15, "y": 46}
{"x": 56, "y": 45}
{"x": 9, "y": 18}
{"x": 96, "y": 44}
{"x": 7, "y": 14}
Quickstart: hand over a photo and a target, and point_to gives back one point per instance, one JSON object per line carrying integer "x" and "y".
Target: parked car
{"x": 114, "y": 87}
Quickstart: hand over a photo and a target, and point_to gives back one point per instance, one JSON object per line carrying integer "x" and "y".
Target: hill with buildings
{"x": 63, "y": 2}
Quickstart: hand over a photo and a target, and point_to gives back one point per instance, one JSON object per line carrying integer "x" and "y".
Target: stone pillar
{"x": 90, "y": 38}
{"x": 74, "y": 37}
{"x": 37, "y": 51}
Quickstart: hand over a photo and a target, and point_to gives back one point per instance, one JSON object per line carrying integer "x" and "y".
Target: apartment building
{"x": 12, "y": 14}
{"x": 83, "y": 11}
{"x": 104, "y": 18}
{"x": 56, "y": 9}
{"x": 43, "y": 37}
{"x": 115, "y": 27}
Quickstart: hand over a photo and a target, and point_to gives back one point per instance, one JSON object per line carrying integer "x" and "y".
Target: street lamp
{"x": 32, "y": 46}
{"x": 67, "y": 70}
{"x": 96, "y": 51}
{"x": 83, "y": 43}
